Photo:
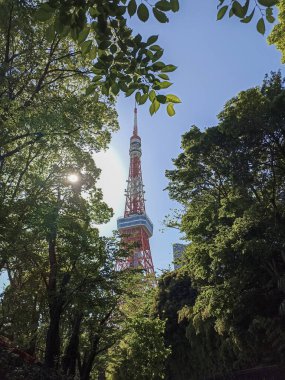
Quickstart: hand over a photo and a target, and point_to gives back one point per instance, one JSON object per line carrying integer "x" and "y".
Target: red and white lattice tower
{"x": 135, "y": 227}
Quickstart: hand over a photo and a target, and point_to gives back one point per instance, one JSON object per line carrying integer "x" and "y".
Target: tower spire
{"x": 135, "y": 132}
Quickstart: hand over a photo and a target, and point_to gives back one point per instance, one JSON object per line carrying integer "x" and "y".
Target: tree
{"x": 141, "y": 353}
{"x": 42, "y": 86}
{"x": 63, "y": 289}
{"x": 230, "y": 180}
{"x": 174, "y": 293}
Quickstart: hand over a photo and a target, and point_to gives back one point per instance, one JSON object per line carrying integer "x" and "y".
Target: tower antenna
{"x": 135, "y": 120}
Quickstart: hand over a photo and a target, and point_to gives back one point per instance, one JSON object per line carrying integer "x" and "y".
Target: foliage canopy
{"x": 230, "y": 178}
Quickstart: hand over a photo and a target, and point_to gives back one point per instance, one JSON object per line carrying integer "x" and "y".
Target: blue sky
{"x": 215, "y": 61}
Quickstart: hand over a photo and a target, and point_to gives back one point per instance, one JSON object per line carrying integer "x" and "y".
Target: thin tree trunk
{"x": 52, "y": 351}
{"x": 88, "y": 363}
{"x": 71, "y": 352}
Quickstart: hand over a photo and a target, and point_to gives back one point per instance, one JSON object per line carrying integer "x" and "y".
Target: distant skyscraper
{"x": 135, "y": 227}
{"x": 178, "y": 250}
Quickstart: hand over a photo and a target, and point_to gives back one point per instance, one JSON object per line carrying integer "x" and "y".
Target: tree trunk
{"x": 52, "y": 351}
{"x": 88, "y": 363}
{"x": 71, "y": 352}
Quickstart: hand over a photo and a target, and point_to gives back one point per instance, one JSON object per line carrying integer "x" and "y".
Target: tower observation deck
{"x": 135, "y": 227}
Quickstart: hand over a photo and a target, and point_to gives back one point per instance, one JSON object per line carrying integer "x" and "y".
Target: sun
{"x": 73, "y": 178}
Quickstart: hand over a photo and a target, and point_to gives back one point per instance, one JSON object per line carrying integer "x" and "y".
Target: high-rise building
{"x": 135, "y": 226}
{"x": 178, "y": 250}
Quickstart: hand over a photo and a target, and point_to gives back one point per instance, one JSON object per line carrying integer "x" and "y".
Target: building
{"x": 178, "y": 250}
{"x": 135, "y": 227}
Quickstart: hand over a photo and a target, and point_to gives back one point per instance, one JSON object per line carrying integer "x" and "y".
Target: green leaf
{"x": 164, "y": 84}
{"x": 58, "y": 25}
{"x": 123, "y": 86}
{"x": 120, "y": 10}
{"x": 143, "y": 13}
{"x": 157, "y": 55}
{"x": 95, "y": 97}
{"x": 245, "y": 7}
{"x": 173, "y": 98}
{"x": 105, "y": 89}
{"x": 152, "y": 95}
{"x": 138, "y": 97}
{"x": 163, "y": 5}
{"x": 161, "y": 98}
{"x": 269, "y": 15}
{"x": 138, "y": 38}
{"x": 248, "y": 18}
{"x": 170, "y": 109}
{"x": 143, "y": 98}
{"x": 238, "y": 10}
{"x": 50, "y": 32}
{"x": 163, "y": 76}
{"x": 130, "y": 91}
{"x": 222, "y": 12}
{"x": 152, "y": 39}
{"x": 90, "y": 89}
{"x": 94, "y": 12}
{"x": 97, "y": 71}
{"x": 270, "y": 19}
{"x": 160, "y": 16}
{"x": 115, "y": 88}
{"x": 83, "y": 35}
{"x": 132, "y": 7}
{"x": 268, "y": 3}
{"x": 65, "y": 31}
{"x": 96, "y": 78}
{"x": 168, "y": 68}
{"x": 155, "y": 48}
{"x": 44, "y": 13}
{"x": 174, "y": 5}
{"x": 154, "y": 107}
{"x": 260, "y": 26}
{"x": 86, "y": 46}
{"x": 158, "y": 65}
{"x": 103, "y": 45}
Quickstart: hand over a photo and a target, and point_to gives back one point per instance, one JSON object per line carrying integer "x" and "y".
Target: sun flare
{"x": 73, "y": 178}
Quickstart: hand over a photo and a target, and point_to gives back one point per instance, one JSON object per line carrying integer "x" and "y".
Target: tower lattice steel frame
{"x": 135, "y": 227}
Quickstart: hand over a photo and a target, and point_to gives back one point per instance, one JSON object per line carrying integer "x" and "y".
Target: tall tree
{"x": 230, "y": 180}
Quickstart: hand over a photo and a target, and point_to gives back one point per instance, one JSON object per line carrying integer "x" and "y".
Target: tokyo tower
{"x": 135, "y": 227}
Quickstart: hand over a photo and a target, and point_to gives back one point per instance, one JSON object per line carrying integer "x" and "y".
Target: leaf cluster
{"x": 246, "y": 10}
{"x": 121, "y": 60}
